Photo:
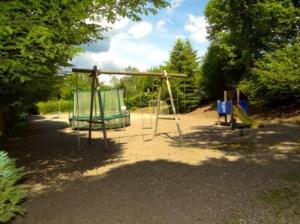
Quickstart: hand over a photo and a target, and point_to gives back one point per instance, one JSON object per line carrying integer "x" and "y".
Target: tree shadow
{"x": 259, "y": 143}
{"x": 157, "y": 191}
{"x": 163, "y": 192}
{"x": 51, "y": 152}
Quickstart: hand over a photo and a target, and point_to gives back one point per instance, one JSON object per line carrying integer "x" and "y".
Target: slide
{"x": 244, "y": 118}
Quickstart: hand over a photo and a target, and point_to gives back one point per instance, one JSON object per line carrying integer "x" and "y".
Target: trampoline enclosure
{"x": 113, "y": 103}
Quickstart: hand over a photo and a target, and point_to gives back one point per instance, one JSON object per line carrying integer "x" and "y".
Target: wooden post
{"x": 158, "y": 107}
{"x": 238, "y": 97}
{"x": 173, "y": 105}
{"x": 102, "y": 115}
{"x": 94, "y": 76}
{"x": 59, "y": 108}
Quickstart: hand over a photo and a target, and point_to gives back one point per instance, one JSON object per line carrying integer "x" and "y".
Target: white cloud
{"x": 161, "y": 26}
{"x": 176, "y": 3}
{"x": 140, "y": 30}
{"x": 123, "y": 51}
{"x": 196, "y": 25}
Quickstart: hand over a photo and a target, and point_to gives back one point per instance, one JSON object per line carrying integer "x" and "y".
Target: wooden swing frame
{"x": 94, "y": 73}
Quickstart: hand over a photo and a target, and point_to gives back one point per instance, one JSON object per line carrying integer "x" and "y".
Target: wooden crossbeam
{"x": 103, "y": 72}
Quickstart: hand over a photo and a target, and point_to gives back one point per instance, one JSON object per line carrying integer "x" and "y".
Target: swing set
{"x": 96, "y": 97}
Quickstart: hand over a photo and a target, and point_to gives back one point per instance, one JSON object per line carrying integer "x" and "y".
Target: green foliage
{"x": 70, "y": 82}
{"x": 37, "y": 38}
{"x": 253, "y": 27}
{"x": 242, "y": 32}
{"x": 138, "y": 90}
{"x": 275, "y": 79}
{"x": 184, "y": 59}
{"x": 52, "y": 106}
{"x": 11, "y": 194}
{"x": 216, "y": 75}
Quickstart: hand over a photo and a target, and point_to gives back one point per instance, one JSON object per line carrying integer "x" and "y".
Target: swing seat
{"x": 167, "y": 117}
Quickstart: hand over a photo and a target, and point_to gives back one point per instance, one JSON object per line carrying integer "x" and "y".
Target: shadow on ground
{"x": 49, "y": 153}
{"x": 270, "y": 141}
{"x": 164, "y": 192}
{"x": 160, "y": 191}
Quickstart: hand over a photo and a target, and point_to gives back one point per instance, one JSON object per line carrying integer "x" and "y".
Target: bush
{"x": 11, "y": 194}
{"x": 51, "y": 106}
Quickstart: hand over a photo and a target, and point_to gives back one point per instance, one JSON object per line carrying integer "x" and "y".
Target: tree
{"x": 137, "y": 89}
{"x": 70, "y": 82}
{"x": 184, "y": 59}
{"x": 39, "y": 37}
{"x": 241, "y": 33}
{"x": 253, "y": 27}
{"x": 275, "y": 78}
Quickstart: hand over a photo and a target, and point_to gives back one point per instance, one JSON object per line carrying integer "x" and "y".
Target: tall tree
{"x": 184, "y": 59}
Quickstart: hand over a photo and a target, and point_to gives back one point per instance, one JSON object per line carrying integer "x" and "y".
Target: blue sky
{"x": 147, "y": 43}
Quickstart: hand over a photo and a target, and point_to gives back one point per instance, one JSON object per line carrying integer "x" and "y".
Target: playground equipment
{"x": 164, "y": 109}
{"x": 115, "y": 113}
{"x": 96, "y": 92}
{"x": 235, "y": 104}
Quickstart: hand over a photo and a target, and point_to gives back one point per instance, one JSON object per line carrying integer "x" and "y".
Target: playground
{"x": 214, "y": 175}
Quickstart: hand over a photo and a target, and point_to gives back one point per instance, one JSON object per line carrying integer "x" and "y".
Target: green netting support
{"x": 112, "y": 100}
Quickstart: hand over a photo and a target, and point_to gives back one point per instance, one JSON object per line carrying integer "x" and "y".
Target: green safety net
{"x": 112, "y": 101}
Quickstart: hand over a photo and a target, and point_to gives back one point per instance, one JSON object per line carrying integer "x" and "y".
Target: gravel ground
{"x": 214, "y": 176}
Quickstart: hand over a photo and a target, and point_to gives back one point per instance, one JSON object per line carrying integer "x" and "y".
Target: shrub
{"x": 11, "y": 194}
{"x": 51, "y": 106}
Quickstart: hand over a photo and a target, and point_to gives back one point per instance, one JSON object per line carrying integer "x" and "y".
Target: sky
{"x": 147, "y": 43}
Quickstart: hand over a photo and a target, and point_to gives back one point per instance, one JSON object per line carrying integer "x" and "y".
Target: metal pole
{"x": 173, "y": 105}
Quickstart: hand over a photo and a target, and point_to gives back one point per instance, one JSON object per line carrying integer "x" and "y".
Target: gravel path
{"x": 215, "y": 176}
